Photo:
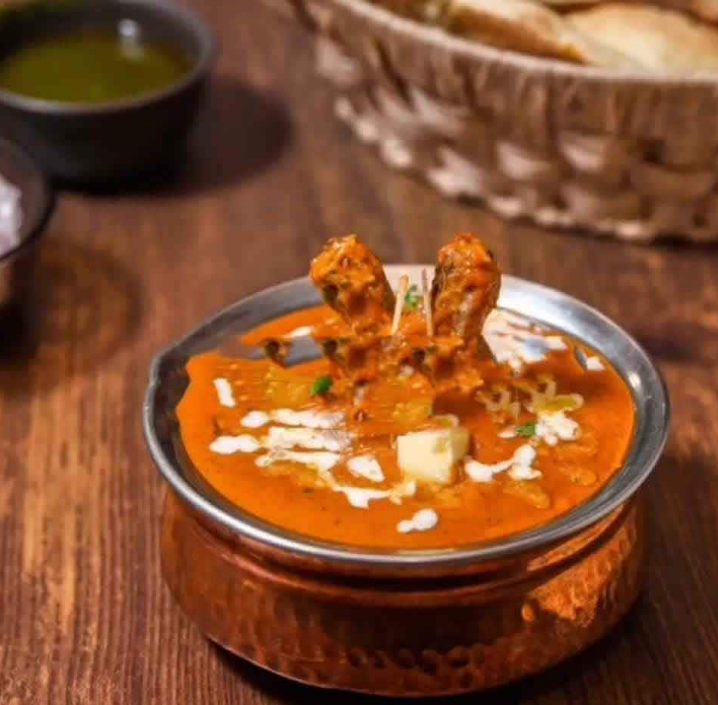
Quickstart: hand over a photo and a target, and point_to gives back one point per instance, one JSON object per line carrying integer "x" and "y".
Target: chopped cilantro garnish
{"x": 322, "y": 386}
{"x": 412, "y": 297}
{"x": 526, "y": 430}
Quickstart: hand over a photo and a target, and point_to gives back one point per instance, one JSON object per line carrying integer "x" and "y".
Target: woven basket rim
{"x": 439, "y": 38}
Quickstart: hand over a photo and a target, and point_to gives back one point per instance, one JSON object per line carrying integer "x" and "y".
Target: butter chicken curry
{"x": 432, "y": 419}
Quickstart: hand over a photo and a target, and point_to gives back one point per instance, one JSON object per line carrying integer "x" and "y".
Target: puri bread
{"x": 660, "y": 40}
{"x": 530, "y": 28}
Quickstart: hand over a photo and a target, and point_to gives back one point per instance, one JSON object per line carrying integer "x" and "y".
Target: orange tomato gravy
{"x": 287, "y": 494}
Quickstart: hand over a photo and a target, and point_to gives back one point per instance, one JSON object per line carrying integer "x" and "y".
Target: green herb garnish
{"x": 412, "y": 298}
{"x": 321, "y": 386}
{"x": 526, "y": 430}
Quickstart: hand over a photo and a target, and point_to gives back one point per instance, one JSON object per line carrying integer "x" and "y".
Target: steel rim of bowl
{"x": 171, "y": 12}
{"x": 647, "y": 387}
{"x": 438, "y": 37}
{"x": 33, "y": 230}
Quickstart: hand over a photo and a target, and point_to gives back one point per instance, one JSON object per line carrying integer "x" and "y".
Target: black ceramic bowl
{"x": 17, "y": 265}
{"x": 105, "y": 143}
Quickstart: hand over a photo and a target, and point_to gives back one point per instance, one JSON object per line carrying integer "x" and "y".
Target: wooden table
{"x": 84, "y": 615}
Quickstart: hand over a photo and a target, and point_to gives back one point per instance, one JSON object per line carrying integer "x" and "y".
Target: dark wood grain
{"x": 84, "y": 615}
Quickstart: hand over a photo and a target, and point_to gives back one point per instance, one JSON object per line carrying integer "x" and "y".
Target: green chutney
{"x": 90, "y": 66}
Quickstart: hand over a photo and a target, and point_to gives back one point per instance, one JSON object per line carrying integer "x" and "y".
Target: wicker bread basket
{"x": 624, "y": 154}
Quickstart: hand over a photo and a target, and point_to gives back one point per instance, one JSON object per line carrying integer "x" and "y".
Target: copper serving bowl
{"x": 405, "y": 623}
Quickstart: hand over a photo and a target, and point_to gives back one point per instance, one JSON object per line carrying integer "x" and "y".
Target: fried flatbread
{"x": 530, "y": 28}
{"x": 427, "y": 11}
{"x": 658, "y": 39}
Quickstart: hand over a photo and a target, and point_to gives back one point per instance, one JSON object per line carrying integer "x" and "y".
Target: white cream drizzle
{"x": 550, "y": 428}
{"x": 309, "y": 419}
{"x": 591, "y": 363}
{"x": 552, "y": 424}
{"x": 406, "y": 371}
{"x": 359, "y": 497}
{"x": 423, "y": 520}
{"x": 255, "y": 419}
{"x": 555, "y": 427}
{"x": 314, "y": 431}
{"x": 228, "y": 445}
{"x": 281, "y": 437}
{"x": 224, "y": 392}
{"x": 513, "y": 341}
{"x": 555, "y": 342}
{"x": 519, "y": 466}
{"x": 321, "y": 461}
{"x": 366, "y": 466}
{"x": 594, "y": 364}
{"x": 300, "y": 332}
{"x": 524, "y": 472}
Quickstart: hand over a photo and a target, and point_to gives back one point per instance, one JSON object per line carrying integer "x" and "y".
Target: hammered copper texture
{"x": 530, "y": 138}
{"x": 405, "y": 637}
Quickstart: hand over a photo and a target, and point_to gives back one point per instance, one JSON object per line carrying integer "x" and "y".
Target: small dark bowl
{"x": 17, "y": 266}
{"x": 91, "y": 144}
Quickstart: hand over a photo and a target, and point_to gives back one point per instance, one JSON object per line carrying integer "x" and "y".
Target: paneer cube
{"x": 432, "y": 456}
